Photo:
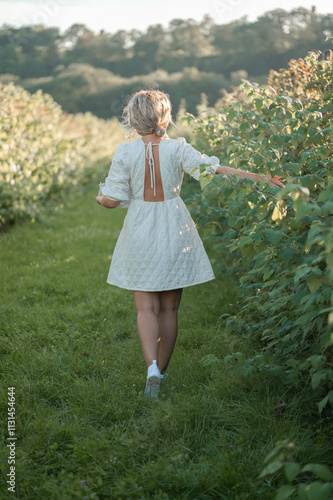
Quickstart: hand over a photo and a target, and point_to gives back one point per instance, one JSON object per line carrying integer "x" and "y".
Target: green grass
{"x": 70, "y": 348}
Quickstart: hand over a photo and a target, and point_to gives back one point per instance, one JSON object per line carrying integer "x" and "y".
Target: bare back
{"x": 153, "y": 179}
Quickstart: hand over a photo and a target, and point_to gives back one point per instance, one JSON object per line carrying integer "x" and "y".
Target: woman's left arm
{"x": 224, "y": 170}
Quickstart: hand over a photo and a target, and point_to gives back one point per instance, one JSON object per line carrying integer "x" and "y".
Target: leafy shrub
{"x": 300, "y": 478}
{"x": 277, "y": 241}
{"x": 43, "y": 150}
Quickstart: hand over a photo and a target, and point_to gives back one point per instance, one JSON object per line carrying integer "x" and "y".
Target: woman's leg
{"x": 148, "y": 308}
{"x": 168, "y": 325}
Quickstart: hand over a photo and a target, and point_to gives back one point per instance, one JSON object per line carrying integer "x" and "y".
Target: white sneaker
{"x": 153, "y": 380}
{"x": 164, "y": 376}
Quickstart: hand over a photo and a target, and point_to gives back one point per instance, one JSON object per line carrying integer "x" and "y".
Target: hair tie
{"x": 160, "y": 132}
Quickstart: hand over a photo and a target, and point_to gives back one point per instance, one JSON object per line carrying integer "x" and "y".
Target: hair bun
{"x": 160, "y": 132}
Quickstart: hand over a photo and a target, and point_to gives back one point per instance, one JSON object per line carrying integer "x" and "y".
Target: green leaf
{"x": 317, "y": 360}
{"x": 210, "y": 359}
{"x": 302, "y": 209}
{"x": 291, "y": 470}
{"x": 295, "y": 168}
{"x": 318, "y": 491}
{"x": 274, "y": 236}
{"x": 305, "y": 366}
{"x": 301, "y": 271}
{"x": 304, "y": 319}
{"x": 205, "y": 180}
{"x": 285, "y": 492}
{"x": 247, "y": 370}
{"x": 271, "y": 468}
{"x": 329, "y": 261}
{"x": 317, "y": 378}
{"x": 232, "y": 115}
{"x": 314, "y": 284}
{"x": 308, "y": 181}
{"x": 321, "y": 471}
{"x": 257, "y": 159}
{"x": 326, "y": 339}
{"x": 322, "y": 404}
{"x": 330, "y": 397}
{"x": 244, "y": 126}
{"x": 268, "y": 274}
{"x": 302, "y": 495}
{"x": 325, "y": 195}
{"x": 286, "y": 254}
{"x": 258, "y": 103}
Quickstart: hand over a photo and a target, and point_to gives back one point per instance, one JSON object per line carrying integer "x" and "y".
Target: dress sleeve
{"x": 191, "y": 159}
{"x": 117, "y": 184}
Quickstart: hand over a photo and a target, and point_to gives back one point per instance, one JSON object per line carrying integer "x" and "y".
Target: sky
{"x": 114, "y": 15}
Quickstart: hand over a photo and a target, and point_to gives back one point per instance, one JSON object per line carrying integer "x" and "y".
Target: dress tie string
{"x": 150, "y": 158}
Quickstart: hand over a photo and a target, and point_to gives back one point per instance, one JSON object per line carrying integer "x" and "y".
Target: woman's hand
{"x": 106, "y": 202}
{"x": 273, "y": 181}
{"x": 99, "y": 197}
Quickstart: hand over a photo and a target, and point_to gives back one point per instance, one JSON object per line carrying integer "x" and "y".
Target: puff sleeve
{"x": 191, "y": 159}
{"x": 117, "y": 183}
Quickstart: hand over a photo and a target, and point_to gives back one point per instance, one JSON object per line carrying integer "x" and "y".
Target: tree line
{"x": 39, "y": 56}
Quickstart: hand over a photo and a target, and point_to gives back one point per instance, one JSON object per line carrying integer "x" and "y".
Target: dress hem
{"x": 164, "y": 289}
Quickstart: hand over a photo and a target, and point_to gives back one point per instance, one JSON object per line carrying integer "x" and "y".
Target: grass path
{"x": 70, "y": 348}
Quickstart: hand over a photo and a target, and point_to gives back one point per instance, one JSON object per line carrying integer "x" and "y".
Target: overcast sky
{"x": 113, "y": 15}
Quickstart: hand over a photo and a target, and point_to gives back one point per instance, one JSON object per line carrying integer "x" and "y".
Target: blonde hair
{"x": 148, "y": 111}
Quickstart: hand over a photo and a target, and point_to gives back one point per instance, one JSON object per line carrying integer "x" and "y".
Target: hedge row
{"x": 43, "y": 150}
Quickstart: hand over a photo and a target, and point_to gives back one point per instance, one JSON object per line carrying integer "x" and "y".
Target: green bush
{"x": 300, "y": 478}
{"x": 277, "y": 241}
{"x": 43, "y": 150}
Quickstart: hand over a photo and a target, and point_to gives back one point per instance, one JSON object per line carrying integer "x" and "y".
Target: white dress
{"x": 159, "y": 247}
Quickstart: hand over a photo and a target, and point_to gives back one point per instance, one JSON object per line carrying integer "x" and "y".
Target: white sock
{"x": 153, "y": 369}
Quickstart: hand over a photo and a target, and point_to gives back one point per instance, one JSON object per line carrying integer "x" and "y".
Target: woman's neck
{"x": 151, "y": 137}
